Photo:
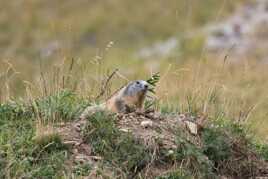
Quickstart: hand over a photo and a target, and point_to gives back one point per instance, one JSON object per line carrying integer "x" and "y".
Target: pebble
{"x": 147, "y": 123}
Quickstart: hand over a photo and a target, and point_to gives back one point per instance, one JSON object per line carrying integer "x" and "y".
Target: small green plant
{"x": 153, "y": 81}
{"x": 193, "y": 162}
{"x": 197, "y": 162}
{"x": 216, "y": 145}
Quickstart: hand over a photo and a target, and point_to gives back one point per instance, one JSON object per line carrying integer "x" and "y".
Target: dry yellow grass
{"x": 45, "y": 134}
{"x": 237, "y": 90}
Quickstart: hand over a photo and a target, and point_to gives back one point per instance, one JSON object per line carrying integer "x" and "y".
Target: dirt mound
{"x": 174, "y": 143}
{"x": 154, "y": 128}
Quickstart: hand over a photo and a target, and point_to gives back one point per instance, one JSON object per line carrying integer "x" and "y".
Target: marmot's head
{"x": 138, "y": 87}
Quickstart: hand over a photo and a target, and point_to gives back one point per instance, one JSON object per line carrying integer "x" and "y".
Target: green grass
{"x": 22, "y": 157}
{"x": 26, "y": 152}
{"x": 119, "y": 149}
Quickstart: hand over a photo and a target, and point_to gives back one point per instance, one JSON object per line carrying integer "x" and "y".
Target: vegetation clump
{"x": 119, "y": 149}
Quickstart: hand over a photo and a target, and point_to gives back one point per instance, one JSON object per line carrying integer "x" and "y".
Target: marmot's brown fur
{"x": 127, "y": 99}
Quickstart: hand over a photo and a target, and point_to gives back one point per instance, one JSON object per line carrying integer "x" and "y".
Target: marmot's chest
{"x": 121, "y": 103}
{"x": 133, "y": 100}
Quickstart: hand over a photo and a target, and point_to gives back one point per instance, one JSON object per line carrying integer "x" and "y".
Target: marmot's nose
{"x": 145, "y": 86}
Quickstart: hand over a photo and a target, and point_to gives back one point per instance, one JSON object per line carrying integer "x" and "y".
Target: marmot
{"x": 126, "y": 99}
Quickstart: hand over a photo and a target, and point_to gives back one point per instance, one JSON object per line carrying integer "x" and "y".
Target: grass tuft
{"x": 46, "y": 135}
{"x": 62, "y": 106}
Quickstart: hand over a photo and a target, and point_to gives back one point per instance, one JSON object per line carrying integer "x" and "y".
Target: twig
{"x": 42, "y": 76}
{"x": 70, "y": 71}
{"x": 122, "y": 76}
{"x": 104, "y": 87}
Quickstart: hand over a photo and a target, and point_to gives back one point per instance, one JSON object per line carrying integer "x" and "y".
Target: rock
{"x": 96, "y": 158}
{"x": 147, "y": 124}
{"x": 170, "y": 152}
{"x": 70, "y": 143}
{"x": 192, "y": 127}
{"x": 124, "y": 130}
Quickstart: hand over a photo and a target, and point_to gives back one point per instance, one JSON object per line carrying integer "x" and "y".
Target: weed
{"x": 195, "y": 160}
{"x": 153, "y": 81}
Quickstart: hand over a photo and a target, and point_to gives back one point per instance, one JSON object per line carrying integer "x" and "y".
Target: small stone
{"x": 170, "y": 152}
{"x": 124, "y": 130}
{"x": 96, "y": 158}
{"x": 75, "y": 151}
{"x": 147, "y": 123}
{"x": 182, "y": 117}
{"x": 192, "y": 127}
{"x": 69, "y": 143}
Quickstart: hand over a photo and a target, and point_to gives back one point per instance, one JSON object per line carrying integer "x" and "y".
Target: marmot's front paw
{"x": 129, "y": 109}
{"x": 140, "y": 110}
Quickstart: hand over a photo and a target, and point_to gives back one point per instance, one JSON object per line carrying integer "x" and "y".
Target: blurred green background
{"x": 36, "y": 33}
{"x": 40, "y": 37}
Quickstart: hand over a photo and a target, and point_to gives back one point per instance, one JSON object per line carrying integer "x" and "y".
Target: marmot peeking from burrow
{"x": 127, "y": 99}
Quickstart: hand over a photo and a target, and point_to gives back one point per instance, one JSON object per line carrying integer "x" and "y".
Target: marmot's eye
{"x": 138, "y": 82}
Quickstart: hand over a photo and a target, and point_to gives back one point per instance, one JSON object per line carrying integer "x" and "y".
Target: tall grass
{"x": 211, "y": 85}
